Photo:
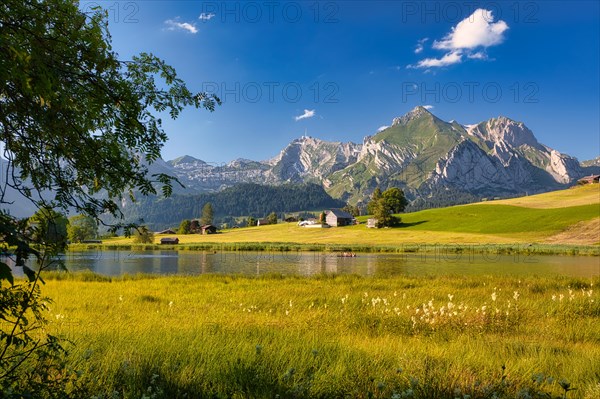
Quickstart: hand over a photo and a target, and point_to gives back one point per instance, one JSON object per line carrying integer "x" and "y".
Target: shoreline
{"x": 500, "y": 249}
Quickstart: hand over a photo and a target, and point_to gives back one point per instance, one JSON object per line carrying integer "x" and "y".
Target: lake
{"x": 114, "y": 263}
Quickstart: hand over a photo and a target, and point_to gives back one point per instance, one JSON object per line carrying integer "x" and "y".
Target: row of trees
{"x": 76, "y": 228}
{"x": 188, "y": 226}
{"x": 271, "y": 219}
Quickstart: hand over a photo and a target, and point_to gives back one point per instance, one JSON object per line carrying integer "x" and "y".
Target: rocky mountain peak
{"x": 240, "y": 162}
{"x": 186, "y": 159}
{"x": 505, "y": 130}
{"x": 416, "y": 113}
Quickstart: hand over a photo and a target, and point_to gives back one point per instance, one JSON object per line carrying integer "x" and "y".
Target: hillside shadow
{"x": 413, "y": 223}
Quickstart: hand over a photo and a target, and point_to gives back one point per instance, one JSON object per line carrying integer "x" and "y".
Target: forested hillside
{"x": 241, "y": 200}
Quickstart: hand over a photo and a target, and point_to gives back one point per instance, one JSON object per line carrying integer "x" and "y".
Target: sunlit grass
{"x": 576, "y": 196}
{"x": 330, "y": 336}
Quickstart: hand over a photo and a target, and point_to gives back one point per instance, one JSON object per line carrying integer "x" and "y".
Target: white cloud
{"x": 206, "y": 16}
{"x": 174, "y": 24}
{"x": 428, "y": 107}
{"x": 308, "y": 113}
{"x": 382, "y": 128}
{"x": 480, "y": 55}
{"x": 420, "y": 44}
{"x": 478, "y": 30}
{"x": 454, "y": 57}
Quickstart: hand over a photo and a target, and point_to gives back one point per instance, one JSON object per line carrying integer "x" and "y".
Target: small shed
{"x": 169, "y": 241}
{"x": 591, "y": 179}
{"x": 262, "y": 222}
{"x": 208, "y": 229}
{"x": 372, "y": 223}
{"x": 291, "y": 219}
{"x": 167, "y": 231}
{"x": 337, "y": 218}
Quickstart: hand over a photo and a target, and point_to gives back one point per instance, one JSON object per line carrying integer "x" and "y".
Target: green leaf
{"x": 6, "y": 273}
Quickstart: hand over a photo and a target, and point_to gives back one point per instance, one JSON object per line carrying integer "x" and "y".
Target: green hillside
{"x": 498, "y": 219}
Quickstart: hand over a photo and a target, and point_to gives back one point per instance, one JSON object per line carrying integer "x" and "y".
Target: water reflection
{"x": 115, "y": 263}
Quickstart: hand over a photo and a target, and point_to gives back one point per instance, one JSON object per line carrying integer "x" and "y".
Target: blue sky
{"x": 339, "y": 70}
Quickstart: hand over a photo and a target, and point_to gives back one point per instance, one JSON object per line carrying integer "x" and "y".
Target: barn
{"x": 338, "y": 218}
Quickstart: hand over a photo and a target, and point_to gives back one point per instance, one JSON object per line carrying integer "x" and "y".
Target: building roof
{"x": 340, "y": 214}
{"x": 590, "y": 178}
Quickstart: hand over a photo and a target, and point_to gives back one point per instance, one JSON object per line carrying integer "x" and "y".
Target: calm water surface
{"x": 114, "y": 263}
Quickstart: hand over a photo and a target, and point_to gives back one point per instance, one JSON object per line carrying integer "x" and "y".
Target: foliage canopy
{"x": 81, "y": 228}
{"x": 383, "y": 206}
{"x": 76, "y": 120}
{"x": 207, "y": 214}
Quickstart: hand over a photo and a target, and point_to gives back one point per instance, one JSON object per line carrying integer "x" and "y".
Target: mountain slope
{"x": 312, "y": 159}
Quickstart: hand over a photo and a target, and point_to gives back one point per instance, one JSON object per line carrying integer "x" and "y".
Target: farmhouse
{"x": 208, "y": 229}
{"x": 337, "y": 218}
{"x": 169, "y": 241}
{"x": 591, "y": 179}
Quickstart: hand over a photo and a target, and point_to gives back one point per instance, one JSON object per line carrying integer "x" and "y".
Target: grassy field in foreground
{"x": 568, "y": 216}
{"x": 330, "y": 337}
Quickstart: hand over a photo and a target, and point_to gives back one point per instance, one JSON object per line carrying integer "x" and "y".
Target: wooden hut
{"x": 337, "y": 218}
{"x": 591, "y": 179}
{"x": 208, "y": 229}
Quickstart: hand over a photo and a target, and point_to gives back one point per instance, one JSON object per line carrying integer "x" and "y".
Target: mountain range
{"x": 436, "y": 163}
{"x": 420, "y": 153}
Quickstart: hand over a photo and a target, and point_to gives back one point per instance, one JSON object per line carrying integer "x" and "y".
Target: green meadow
{"x": 328, "y": 336}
